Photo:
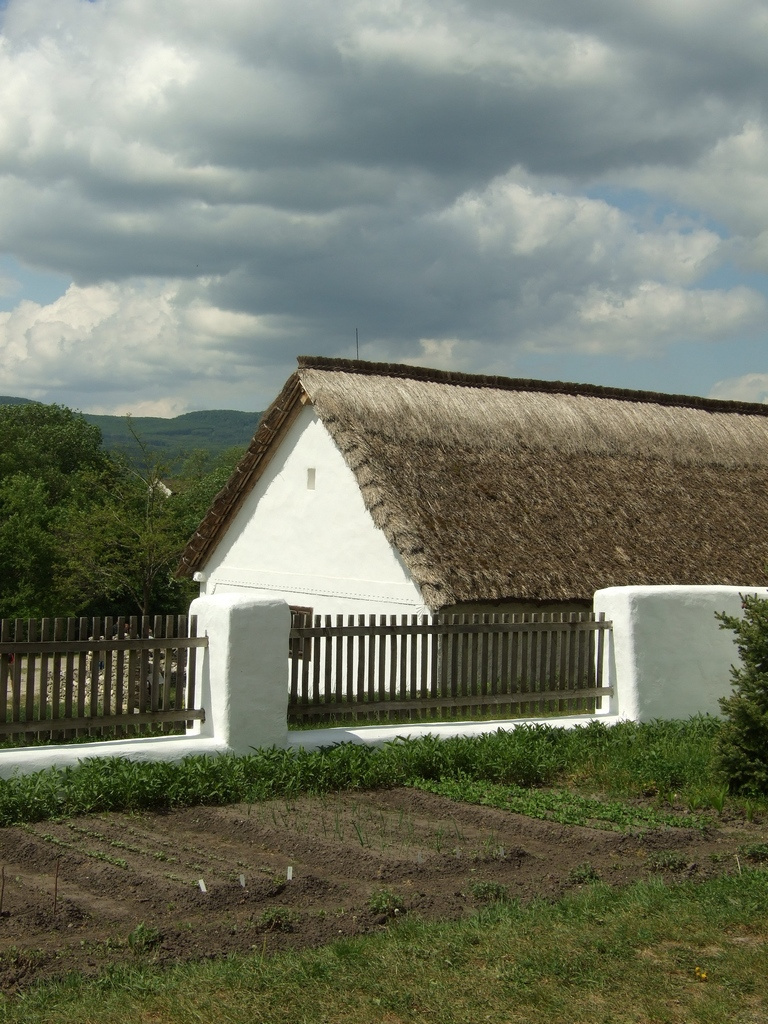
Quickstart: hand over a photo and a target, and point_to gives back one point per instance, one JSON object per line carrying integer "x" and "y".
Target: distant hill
{"x": 7, "y": 400}
{"x": 212, "y": 430}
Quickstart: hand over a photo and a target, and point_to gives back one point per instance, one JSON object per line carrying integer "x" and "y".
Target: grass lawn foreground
{"x": 673, "y": 946}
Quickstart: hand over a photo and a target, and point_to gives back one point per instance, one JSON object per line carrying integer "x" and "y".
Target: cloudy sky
{"x": 193, "y": 193}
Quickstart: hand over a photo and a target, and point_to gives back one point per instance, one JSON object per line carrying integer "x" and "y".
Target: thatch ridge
{"x": 554, "y": 387}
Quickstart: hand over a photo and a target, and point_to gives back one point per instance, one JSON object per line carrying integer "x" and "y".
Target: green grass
{"x": 374, "y": 719}
{"x": 664, "y": 759}
{"x": 649, "y": 953}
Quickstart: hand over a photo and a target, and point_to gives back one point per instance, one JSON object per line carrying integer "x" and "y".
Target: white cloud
{"x": 104, "y": 344}
{"x": 505, "y": 47}
{"x": 513, "y": 217}
{"x": 752, "y": 387}
{"x": 728, "y": 182}
{"x": 653, "y": 315}
{"x": 165, "y": 408}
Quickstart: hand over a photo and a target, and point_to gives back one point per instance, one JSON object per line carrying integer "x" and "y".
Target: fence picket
{"x": 526, "y": 684}
{"x": 18, "y": 634}
{"x": 567, "y": 681}
{"x": 581, "y": 661}
{"x": 329, "y": 681}
{"x": 600, "y": 653}
{"x": 425, "y": 642}
{"x": 402, "y": 689}
{"x": 167, "y": 697}
{"x": 191, "y": 655}
{"x": 590, "y": 657}
{"x": 51, "y": 676}
{"x": 5, "y": 664}
{"x": 94, "y": 671}
{"x": 446, "y": 664}
{"x": 107, "y": 691}
{"x": 491, "y": 680}
{"x": 119, "y": 687}
{"x": 553, "y": 648}
{"x": 81, "y": 675}
{"x": 45, "y": 635}
{"x": 29, "y": 710}
{"x": 504, "y": 659}
{"x": 314, "y": 692}
{"x": 59, "y": 633}
{"x": 413, "y": 672}
{"x": 144, "y": 683}
{"x": 307, "y": 648}
{"x": 381, "y": 674}
{"x": 349, "y": 692}
{"x": 392, "y": 659}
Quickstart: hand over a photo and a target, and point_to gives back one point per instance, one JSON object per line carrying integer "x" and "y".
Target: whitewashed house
{"x": 397, "y": 489}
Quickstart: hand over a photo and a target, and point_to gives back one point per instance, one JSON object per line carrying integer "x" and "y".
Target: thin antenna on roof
{"x": 357, "y": 345}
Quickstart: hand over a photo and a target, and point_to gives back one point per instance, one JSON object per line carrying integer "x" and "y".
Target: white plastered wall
{"x": 303, "y": 534}
{"x": 667, "y": 656}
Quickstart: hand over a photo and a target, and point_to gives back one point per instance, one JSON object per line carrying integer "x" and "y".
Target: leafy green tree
{"x": 27, "y": 548}
{"x": 117, "y": 550}
{"x": 200, "y": 479}
{"x": 50, "y": 443}
{"x": 49, "y": 459}
{"x": 123, "y": 550}
{"x": 743, "y": 741}
{"x": 86, "y": 532}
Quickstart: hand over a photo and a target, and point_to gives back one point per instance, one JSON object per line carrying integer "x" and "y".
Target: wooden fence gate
{"x": 441, "y": 666}
{"x": 63, "y": 678}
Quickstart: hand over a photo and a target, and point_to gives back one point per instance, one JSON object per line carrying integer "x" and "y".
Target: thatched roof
{"x": 494, "y": 488}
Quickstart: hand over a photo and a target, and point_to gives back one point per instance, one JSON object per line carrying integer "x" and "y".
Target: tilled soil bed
{"x": 85, "y": 893}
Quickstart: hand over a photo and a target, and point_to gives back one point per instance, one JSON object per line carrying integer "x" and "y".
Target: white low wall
{"x": 667, "y": 656}
{"x": 28, "y": 760}
{"x": 241, "y": 682}
{"x": 243, "y": 685}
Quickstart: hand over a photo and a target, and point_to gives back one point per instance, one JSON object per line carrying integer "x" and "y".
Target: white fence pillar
{"x": 667, "y": 656}
{"x": 242, "y": 679}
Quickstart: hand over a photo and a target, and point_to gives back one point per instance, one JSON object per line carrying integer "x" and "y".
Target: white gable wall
{"x": 304, "y": 534}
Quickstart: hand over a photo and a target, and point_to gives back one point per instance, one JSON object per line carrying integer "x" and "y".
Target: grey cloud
{"x": 329, "y": 166}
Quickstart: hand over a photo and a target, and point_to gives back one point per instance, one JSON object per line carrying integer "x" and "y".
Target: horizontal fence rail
{"x": 64, "y": 678}
{"x": 439, "y": 666}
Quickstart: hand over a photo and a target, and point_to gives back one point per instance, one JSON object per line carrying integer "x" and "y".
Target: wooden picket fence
{"x": 64, "y": 678}
{"x": 443, "y": 666}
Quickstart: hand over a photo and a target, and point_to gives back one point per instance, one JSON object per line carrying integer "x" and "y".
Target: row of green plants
{"x": 672, "y": 760}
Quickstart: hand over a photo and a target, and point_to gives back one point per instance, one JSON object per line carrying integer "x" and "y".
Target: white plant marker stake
{"x": 288, "y": 874}
{"x": 203, "y": 887}
{"x": 242, "y": 880}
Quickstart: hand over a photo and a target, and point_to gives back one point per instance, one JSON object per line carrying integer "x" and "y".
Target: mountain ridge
{"x": 212, "y": 430}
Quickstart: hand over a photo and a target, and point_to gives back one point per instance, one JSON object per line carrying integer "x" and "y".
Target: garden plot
{"x": 85, "y": 893}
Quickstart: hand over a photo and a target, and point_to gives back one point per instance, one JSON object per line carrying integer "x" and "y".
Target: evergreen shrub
{"x": 742, "y": 748}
